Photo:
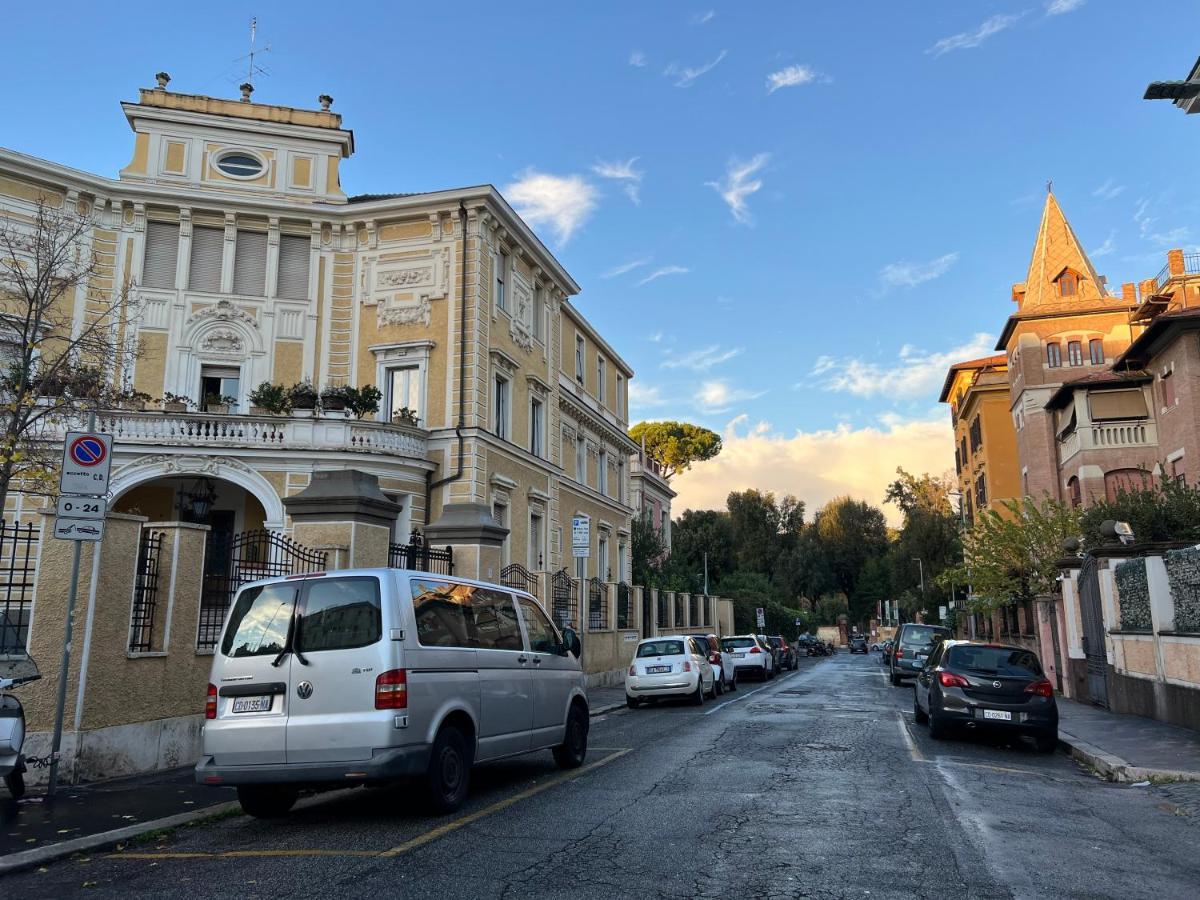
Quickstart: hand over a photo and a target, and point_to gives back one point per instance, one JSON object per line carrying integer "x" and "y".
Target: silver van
{"x": 367, "y": 675}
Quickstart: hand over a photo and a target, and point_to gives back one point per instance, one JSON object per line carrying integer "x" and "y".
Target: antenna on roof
{"x": 251, "y": 68}
{"x": 1049, "y": 187}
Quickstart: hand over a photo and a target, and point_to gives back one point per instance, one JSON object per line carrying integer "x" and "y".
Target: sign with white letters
{"x": 581, "y": 536}
{"x": 87, "y": 458}
{"x": 761, "y": 615}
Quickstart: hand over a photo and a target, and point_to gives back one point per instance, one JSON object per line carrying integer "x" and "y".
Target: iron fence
{"x": 680, "y": 609}
{"x": 420, "y": 557}
{"x": 597, "y": 607}
{"x": 564, "y": 607}
{"x": 18, "y": 569}
{"x": 515, "y": 575}
{"x": 145, "y": 593}
{"x": 664, "y": 620}
{"x": 706, "y": 611}
{"x": 624, "y": 606}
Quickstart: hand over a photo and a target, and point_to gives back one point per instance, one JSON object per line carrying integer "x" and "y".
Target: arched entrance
{"x": 164, "y": 488}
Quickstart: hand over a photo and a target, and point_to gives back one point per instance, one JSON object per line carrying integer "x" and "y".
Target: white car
{"x": 722, "y": 662}
{"x": 750, "y": 656}
{"x": 669, "y": 667}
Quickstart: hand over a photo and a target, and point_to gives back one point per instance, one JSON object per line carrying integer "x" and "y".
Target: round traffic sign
{"x": 88, "y": 450}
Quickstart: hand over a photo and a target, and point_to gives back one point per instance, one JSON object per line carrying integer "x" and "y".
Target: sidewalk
{"x": 1128, "y": 748}
{"x": 605, "y": 699}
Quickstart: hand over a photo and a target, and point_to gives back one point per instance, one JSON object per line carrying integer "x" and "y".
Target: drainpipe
{"x": 462, "y": 370}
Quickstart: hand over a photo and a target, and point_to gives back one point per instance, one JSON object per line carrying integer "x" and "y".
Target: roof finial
{"x": 1049, "y": 187}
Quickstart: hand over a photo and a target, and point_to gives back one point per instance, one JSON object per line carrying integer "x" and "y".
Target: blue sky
{"x": 786, "y": 216}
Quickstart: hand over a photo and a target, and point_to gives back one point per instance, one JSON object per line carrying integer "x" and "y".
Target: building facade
{"x": 651, "y": 495}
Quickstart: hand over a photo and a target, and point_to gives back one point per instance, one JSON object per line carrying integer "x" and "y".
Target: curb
{"x": 601, "y": 710}
{"x": 27, "y": 859}
{"x": 1113, "y": 768}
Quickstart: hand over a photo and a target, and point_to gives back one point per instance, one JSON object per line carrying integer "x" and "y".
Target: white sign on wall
{"x": 581, "y": 536}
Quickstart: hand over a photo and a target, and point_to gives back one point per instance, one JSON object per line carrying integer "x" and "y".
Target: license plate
{"x": 739, "y": 656}
{"x": 1002, "y": 715}
{"x": 922, "y": 657}
{"x": 251, "y": 704}
{"x": 656, "y": 670}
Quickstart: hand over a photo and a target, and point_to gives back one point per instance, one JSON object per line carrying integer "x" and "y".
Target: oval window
{"x": 240, "y": 165}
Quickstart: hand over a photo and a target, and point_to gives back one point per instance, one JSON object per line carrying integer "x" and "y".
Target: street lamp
{"x": 921, "y": 569}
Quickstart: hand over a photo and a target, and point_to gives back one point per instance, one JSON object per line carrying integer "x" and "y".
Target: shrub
{"x": 1167, "y": 511}
{"x": 274, "y": 398}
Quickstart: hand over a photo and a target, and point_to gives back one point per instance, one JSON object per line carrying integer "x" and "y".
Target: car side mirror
{"x": 571, "y": 643}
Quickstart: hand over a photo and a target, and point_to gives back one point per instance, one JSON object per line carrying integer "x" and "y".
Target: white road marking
{"x": 913, "y": 750}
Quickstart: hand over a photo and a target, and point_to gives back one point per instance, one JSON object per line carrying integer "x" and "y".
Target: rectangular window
{"x": 621, "y": 480}
{"x": 500, "y": 516}
{"x": 1177, "y": 471}
{"x": 258, "y": 625}
{"x": 957, "y": 461}
{"x": 539, "y": 314}
{"x": 1053, "y": 355}
{"x": 404, "y": 392}
{"x": 600, "y": 379}
{"x": 162, "y": 255}
{"x": 536, "y": 427}
{"x": 500, "y": 408}
{"x": 618, "y": 401}
{"x": 602, "y": 570}
{"x": 542, "y": 636}
{"x": 294, "y": 254}
{"x": 500, "y": 263}
{"x": 208, "y": 245}
{"x": 220, "y": 382}
{"x": 460, "y": 615}
{"x": 1168, "y": 389}
{"x": 339, "y": 614}
{"x": 976, "y": 434}
{"x": 1096, "y": 352}
{"x": 603, "y": 474}
{"x": 250, "y": 264}
{"x": 579, "y": 359}
{"x": 537, "y": 542}
{"x": 1074, "y": 353}
{"x": 981, "y": 492}
{"x": 581, "y": 459}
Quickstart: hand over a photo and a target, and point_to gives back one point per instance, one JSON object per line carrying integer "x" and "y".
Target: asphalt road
{"x": 817, "y": 784}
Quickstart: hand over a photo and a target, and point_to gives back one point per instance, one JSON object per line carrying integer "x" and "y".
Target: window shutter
{"x": 207, "y": 247}
{"x": 294, "y": 254}
{"x": 250, "y": 264}
{"x": 162, "y": 254}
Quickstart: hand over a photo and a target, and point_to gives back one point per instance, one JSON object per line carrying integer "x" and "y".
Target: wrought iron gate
{"x": 515, "y": 575}
{"x": 1093, "y": 631}
{"x": 564, "y": 608}
{"x": 231, "y": 560}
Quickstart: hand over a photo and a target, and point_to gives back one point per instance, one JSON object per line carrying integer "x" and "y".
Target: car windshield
{"x": 776, "y": 642}
{"x": 1004, "y": 661}
{"x": 660, "y": 648}
{"x": 919, "y": 636}
{"x": 737, "y": 643}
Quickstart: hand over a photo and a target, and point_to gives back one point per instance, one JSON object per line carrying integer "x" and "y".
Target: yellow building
{"x": 985, "y": 442}
{"x": 504, "y": 412}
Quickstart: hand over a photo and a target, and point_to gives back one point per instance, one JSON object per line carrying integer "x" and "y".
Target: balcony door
{"x": 219, "y": 382}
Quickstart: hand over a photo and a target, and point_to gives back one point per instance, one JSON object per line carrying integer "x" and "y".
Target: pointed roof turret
{"x": 1055, "y": 252}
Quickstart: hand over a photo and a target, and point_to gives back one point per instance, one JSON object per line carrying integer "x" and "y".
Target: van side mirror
{"x": 571, "y": 642}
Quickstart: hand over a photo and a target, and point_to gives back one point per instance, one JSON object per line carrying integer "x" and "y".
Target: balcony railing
{"x": 264, "y": 432}
{"x": 1108, "y": 435}
{"x": 1191, "y": 266}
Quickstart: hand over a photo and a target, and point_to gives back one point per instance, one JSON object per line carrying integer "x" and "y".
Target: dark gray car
{"x": 911, "y": 648}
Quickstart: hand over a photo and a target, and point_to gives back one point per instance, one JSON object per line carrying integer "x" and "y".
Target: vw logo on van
{"x": 304, "y": 690}
{"x": 995, "y": 684}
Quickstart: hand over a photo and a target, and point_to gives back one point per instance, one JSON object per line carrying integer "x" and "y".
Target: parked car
{"x": 669, "y": 667}
{"x": 765, "y": 643}
{"x": 993, "y": 686}
{"x": 722, "y": 662}
{"x": 784, "y": 652}
{"x": 750, "y": 656}
{"x": 911, "y": 648}
{"x": 878, "y": 645}
{"x": 858, "y": 644}
{"x": 371, "y": 675}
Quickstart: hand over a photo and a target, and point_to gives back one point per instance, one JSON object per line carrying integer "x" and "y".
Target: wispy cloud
{"x": 739, "y": 183}
{"x": 623, "y": 172}
{"x": 701, "y": 360}
{"x": 1110, "y": 190}
{"x": 1148, "y": 230}
{"x": 685, "y": 75}
{"x": 625, "y": 268}
{"x": 637, "y": 59}
{"x": 718, "y": 396}
{"x": 645, "y": 396}
{"x": 915, "y": 373}
{"x": 966, "y": 40}
{"x": 662, "y": 273}
{"x": 655, "y": 338}
{"x": 703, "y": 18}
{"x": 561, "y": 203}
{"x": 1171, "y": 237}
{"x": 1107, "y": 247}
{"x": 910, "y": 274}
{"x": 792, "y": 76}
{"x": 1060, "y": 7}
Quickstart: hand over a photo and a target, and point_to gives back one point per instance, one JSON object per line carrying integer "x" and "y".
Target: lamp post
{"x": 921, "y": 569}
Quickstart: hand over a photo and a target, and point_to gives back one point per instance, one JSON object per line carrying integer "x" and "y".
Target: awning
{"x": 1126, "y": 404}
{"x": 1065, "y": 419}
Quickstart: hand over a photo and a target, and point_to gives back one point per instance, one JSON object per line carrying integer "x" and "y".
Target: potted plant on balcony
{"x": 218, "y": 404}
{"x": 335, "y": 399}
{"x": 303, "y": 399}
{"x": 405, "y": 416}
{"x": 270, "y": 399}
{"x": 134, "y": 400}
{"x": 176, "y": 403}
{"x": 363, "y": 401}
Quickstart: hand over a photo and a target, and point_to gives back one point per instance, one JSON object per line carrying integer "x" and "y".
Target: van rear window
{"x": 920, "y": 635}
{"x": 258, "y": 625}
{"x": 340, "y": 613}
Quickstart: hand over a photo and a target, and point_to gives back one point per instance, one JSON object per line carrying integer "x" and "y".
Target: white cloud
{"x": 664, "y": 271}
{"x": 1110, "y": 190}
{"x": 910, "y": 274}
{"x": 1059, "y": 7}
{"x": 701, "y": 360}
{"x": 637, "y": 59}
{"x": 717, "y": 396}
{"x": 817, "y": 466}
{"x": 685, "y": 75}
{"x": 644, "y": 396}
{"x": 703, "y": 18}
{"x": 791, "y": 76}
{"x": 559, "y": 202}
{"x": 739, "y": 183}
{"x": 967, "y": 39}
{"x": 623, "y": 172}
{"x": 916, "y": 373}
{"x": 1107, "y": 247}
{"x": 1173, "y": 237}
{"x": 625, "y": 268}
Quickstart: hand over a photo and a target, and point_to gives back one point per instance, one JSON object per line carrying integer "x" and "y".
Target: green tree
{"x": 695, "y": 533}
{"x": 850, "y": 533}
{"x": 1165, "y": 511}
{"x": 648, "y": 551}
{"x": 676, "y": 445}
{"x": 762, "y": 528}
{"x": 930, "y": 533}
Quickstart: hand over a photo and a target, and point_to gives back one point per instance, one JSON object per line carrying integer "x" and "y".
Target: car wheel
{"x": 266, "y": 801}
{"x": 449, "y": 774}
{"x": 573, "y": 750}
{"x": 733, "y": 681}
{"x": 16, "y": 784}
{"x": 937, "y": 728}
{"x": 632, "y": 702}
{"x": 1046, "y": 742}
{"x": 719, "y": 685}
{"x": 918, "y": 713}
{"x": 698, "y": 697}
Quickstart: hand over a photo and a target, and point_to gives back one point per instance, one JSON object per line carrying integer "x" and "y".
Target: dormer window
{"x": 1068, "y": 284}
{"x": 239, "y": 164}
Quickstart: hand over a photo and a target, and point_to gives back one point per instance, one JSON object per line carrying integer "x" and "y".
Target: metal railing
{"x": 145, "y": 594}
{"x": 693, "y": 610}
{"x": 515, "y": 575}
{"x": 597, "y": 605}
{"x": 420, "y": 557}
{"x": 18, "y": 570}
{"x": 564, "y": 605}
{"x": 663, "y": 619}
{"x": 624, "y": 606}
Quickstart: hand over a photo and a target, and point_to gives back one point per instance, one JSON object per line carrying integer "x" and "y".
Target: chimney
{"x": 1129, "y": 292}
{"x": 326, "y": 101}
{"x": 163, "y": 80}
{"x": 247, "y": 89}
{"x": 1148, "y": 288}
{"x": 1018, "y": 294}
{"x": 1175, "y": 262}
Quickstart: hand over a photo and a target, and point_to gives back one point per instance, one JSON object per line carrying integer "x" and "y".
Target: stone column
{"x": 686, "y": 600}
{"x": 344, "y": 513}
{"x": 475, "y": 536}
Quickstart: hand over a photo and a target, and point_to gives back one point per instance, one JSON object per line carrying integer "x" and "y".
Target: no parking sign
{"x": 87, "y": 458}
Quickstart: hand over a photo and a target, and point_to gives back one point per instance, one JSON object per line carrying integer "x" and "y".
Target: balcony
{"x": 1108, "y": 436}
{"x": 281, "y": 433}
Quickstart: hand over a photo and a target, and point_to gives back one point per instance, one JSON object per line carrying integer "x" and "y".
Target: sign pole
{"x": 64, "y": 666}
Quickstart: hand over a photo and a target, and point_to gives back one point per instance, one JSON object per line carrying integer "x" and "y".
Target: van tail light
{"x": 210, "y": 703}
{"x": 391, "y": 690}
{"x": 899, "y": 654}
{"x": 1042, "y": 688}
{"x": 687, "y": 665}
{"x": 755, "y": 650}
{"x": 949, "y": 679}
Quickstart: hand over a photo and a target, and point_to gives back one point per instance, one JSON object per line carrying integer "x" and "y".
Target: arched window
{"x": 1068, "y": 284}
{"x": 1073, "y": 491}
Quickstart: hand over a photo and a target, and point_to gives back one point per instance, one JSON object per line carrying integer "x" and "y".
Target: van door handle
{"x": 537, "y": 660}
{"x": 522, "y": 660}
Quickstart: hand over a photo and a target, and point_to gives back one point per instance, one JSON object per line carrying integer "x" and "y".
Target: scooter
{"x": 15, "y": 669}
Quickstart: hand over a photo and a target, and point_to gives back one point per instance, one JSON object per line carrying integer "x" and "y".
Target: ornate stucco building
{"x": 504, "y": 413}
